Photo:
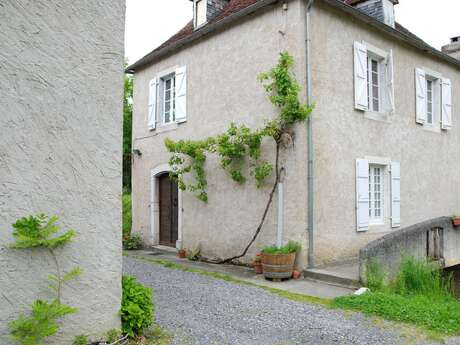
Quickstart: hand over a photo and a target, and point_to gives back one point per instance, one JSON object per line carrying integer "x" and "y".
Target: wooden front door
{"x": 169, "y": 203}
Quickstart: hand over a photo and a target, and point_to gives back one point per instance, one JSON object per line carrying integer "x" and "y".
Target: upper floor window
{"x": 168, "y": 98}
{"x": 434, "y": 99}
{"x": 373, "y": 77}
{"x": 200, "y": 15}
{"x": 168, "y": 108}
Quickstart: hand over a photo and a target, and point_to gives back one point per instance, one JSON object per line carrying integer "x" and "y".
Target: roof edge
{"x": 419, "y": 44}
{"x": 156, "y": 54}
{"x": 422, "y": 45}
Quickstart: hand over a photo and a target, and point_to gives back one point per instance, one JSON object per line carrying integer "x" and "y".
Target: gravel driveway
{"x": 200, "y": 310}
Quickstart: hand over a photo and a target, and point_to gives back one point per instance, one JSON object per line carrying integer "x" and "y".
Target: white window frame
{"x": 370, "y": 82}
{"x": 172, "y": 100}
{"x": 436, "y": 79}
{"x": 373, "y": 218}
{"x": 196, "y": 23}
{"x": 386, "y": 78}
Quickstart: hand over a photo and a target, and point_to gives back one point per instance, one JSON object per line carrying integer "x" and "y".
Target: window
{"x": 373, "y": 70}
{"x": 169, "y": 99}
{"x": 376, "y": 197}
{"x": 378, "y": 193}
{"x": 433, "y": 99}
{"x": 373, "y": 79}
{"x": 200, "y": 13}
{"x": 429, "y": 101}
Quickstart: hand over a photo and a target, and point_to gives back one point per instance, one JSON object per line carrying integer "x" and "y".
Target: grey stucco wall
{"x": 61, "y": 86}
{"x": 222, "y": 87}
{"x": 429, "y": 159}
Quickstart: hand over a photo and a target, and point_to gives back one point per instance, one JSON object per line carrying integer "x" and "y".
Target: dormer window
{"x": 200, "y": 13}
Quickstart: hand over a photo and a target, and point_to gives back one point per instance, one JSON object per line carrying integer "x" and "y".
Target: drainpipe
{"x": 310, "y": 151}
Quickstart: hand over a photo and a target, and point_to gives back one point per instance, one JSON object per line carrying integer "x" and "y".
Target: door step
{"x": 346, "y": 275}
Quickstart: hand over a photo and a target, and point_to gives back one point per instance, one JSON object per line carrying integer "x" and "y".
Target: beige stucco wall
{"x": 430, "y": 182}
{"x": 222, "y": 87}
{"x": 61, "y": 87}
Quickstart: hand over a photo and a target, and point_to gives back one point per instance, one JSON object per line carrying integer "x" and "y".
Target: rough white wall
{"x": 61, "y": 68}
{"x": 429, "y": 160}
{"x": 222, "y": 87}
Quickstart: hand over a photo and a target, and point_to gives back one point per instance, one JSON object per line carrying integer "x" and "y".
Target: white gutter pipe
{"x": 310, "y": 150}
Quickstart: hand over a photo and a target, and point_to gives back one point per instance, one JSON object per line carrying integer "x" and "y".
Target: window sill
{"x": 165, "y": 128}
{"x": 382, "y": 117}
{"x": 432, "y": 128}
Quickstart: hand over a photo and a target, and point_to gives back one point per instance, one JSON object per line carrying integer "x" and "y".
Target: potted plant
{"x": 456, "y": 219}
{"x": 182, "y": 253}
{"x": 258, "y": 263}
{"x": 278, "y": 262}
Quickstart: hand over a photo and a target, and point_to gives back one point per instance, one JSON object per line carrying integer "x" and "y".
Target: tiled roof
{"x": 237, "y": 7}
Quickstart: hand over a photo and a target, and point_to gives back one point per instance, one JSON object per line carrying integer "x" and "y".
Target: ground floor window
{"x": 376, "y": 193}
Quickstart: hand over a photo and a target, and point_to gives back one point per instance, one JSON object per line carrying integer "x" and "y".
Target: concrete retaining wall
{"x": 437, "y": 238}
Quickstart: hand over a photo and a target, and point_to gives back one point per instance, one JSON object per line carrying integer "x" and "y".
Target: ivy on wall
{"x": 241, "y": 146}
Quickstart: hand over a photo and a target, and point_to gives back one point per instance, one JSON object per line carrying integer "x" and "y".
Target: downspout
{"x": 310, "y": 151}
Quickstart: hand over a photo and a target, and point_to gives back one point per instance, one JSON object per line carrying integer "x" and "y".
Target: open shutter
{"x": 446, "y": 110}
{"x": 152, "y": 110}
{"x": 420, "y": 90}
{"x": 362, "y": 194}
{"x": 395, "y": 194}
{"x": 360, "y": 76}
{"x": 181, "y": 94}
{"x": 390, "y": 87}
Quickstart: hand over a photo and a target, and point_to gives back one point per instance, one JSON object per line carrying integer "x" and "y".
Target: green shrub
{"x": 41, "y": 323}
{"x": 80, "y": 340}
{"x": 375, "y": 276}
{"x": 194, "y": 254}
{"x": 419, "y": 295}
{"x": 133, "y": 242}
{"x": 126, "y": 214}
{"x": 113, "y": 335}
{"x": 421, "y": 277}
{"x": 291, "y": 247}
{"x": 136, "y": 306}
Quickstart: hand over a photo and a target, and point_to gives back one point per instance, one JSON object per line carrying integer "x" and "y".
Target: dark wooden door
{"x": 169, "y": 203}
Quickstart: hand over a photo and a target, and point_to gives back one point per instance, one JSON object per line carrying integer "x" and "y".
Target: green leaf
{"x": 75, "y": 272}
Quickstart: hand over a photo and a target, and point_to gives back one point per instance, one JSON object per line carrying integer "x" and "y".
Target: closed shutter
{"x": 360, "y": 76}
{"x": 446, "y": 110}
{"x": 362, "y": 194}
{"x": 181, "y": 94}
{"x": 389, "y": 87}
{"x": 420, "y": 90}
{"x": 395, "y": 194}
{"x": 152, "y": 109}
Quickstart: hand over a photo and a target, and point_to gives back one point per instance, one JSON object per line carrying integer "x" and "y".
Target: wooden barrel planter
{"x": 278, "y": 266}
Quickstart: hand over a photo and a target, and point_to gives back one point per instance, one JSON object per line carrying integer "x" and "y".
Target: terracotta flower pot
{"x": 456, "y": 221}
{"x": 296, "y": 274}
{"x": 258, "y": 267}
{"x": 182, "y": 253}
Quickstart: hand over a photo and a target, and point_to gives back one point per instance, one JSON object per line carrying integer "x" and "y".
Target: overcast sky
{"x": 151, "y": 22}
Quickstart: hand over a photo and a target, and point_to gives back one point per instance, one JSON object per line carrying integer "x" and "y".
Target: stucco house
{"x": 380, "y": 152}
{"x": 61, "y": 87}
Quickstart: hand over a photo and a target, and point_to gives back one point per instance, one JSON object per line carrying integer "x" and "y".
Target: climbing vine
{"x": 240, "y": 146}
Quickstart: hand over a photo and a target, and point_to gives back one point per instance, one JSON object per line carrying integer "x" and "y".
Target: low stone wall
{"x": 436, "y": 238}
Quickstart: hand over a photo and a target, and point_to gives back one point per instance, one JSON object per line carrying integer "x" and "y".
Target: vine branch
{"x": 240, "y": 145}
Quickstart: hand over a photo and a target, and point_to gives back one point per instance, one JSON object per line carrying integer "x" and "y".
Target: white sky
{"x": 151, "y": 22}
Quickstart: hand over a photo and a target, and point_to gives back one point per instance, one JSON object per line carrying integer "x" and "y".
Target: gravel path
{"x": 204, "y": 311}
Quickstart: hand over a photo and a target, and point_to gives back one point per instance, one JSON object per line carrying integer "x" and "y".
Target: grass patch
{"x": 153, "y": 336}
{"x": 126, "y": 214}
{"x": 419, "y": 295}
{"x": 221, "y": 276}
